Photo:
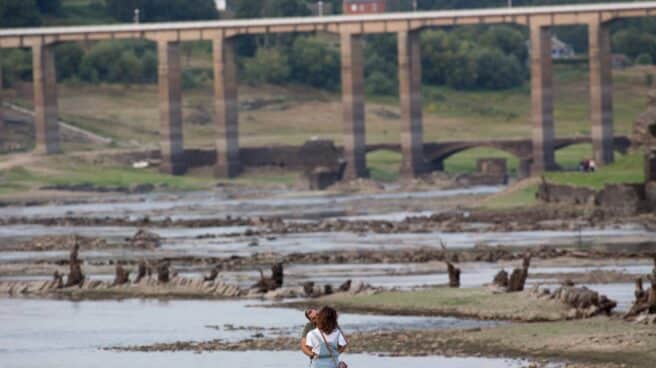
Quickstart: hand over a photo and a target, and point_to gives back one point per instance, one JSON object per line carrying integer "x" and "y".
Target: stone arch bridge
{"x": 436, "y": 152}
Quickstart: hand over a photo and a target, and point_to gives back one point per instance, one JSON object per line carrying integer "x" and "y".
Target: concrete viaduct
{"x": 407, "y": 26}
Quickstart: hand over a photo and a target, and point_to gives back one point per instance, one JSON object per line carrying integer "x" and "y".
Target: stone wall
{"x": 618, "y": 199}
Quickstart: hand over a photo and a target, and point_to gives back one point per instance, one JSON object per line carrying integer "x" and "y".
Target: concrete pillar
{"x": 3, "y": 127}
{"x": 355, "y": 146}
{"x": 226, "y": 105}
{"x": 601, "y": 92}
{"x": 542, "y": 100}
{"x": 170, "y": 108}
{"x": 45, "y": 99}
{"x": 412, "y": 143}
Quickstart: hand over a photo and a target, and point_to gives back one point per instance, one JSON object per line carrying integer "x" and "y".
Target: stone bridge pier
{"x": 406, "y": 26}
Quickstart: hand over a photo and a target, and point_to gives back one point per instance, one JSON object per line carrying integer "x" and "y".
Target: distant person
{"x": 592, "y": 166}
{"x": 326, "y": 341}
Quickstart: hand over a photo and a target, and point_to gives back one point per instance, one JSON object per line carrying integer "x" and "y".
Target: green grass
{"x": 626, "y": 169}
{"x": 384, "y": 165}
{"x": 21, "y": 179}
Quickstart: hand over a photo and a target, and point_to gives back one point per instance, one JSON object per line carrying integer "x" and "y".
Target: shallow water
{"x": 201, "y": 204}
{"x": 251, "y": 359}
{"x": 42, "y": 332}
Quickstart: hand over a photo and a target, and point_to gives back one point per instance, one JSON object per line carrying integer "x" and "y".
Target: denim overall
{"x": 324, "y": 359}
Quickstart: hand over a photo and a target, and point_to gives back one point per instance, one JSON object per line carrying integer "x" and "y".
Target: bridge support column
{"x": 46, "y": 113}
{"x": 355, "y": 146}
{"x": 412, "y": 144}
{"x": 601, "y": 92}
{"x": 226, "y": 106}
{"x": 4, "y": 130}
{"x": 170, "y": 108}
{"x": 542, "y": 100}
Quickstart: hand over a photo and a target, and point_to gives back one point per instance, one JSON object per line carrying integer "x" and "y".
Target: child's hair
{"x": 327, "y": 320}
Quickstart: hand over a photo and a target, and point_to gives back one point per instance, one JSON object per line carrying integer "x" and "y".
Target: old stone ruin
{"x": 644, "y": 306}
{"x": 584, "y": 303}
{"x": 617, "y": 199}
{"x": 322, "y": 164}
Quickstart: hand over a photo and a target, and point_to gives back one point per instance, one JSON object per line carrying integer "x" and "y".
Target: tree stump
{"x": 163, "y": 274}
{"x": 213, "y": 274}
{"x": 501, "y": 279}
{"x": 453, "y": 271}
{"x": 59, "y": 280}
{"x": 346, "y": 286}
{"x": 75, "y": 275}
{"x": 143, "y": 270}
{"x": 518, "y": 277}
{"x": 274, "y": 282}
{"x": 645, "y": 299}
{"x": 122, "y": 276}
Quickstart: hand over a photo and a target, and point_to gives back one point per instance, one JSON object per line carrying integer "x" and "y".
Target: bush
{"x": 68, "y": 57}
{"x": 19, "y": 13}
{"x": 119, "y": 62}
{"x": 316, "y": 63}
{"x": 378, "y": 83}
{"x": 495, "y": 70}
{"x": 644, "y": 59}
{"x": 267, "y": 66}
{"x": 16, "y": 66}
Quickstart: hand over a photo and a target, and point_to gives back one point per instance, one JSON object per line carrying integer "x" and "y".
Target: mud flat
{"x": 477, "y": 303}
{"x": 597, "y": 342}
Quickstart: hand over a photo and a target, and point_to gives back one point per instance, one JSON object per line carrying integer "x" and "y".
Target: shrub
{"x": 267, "y": 66}
{"x": 315, "y": 62}
{"x": 644, "y": 59}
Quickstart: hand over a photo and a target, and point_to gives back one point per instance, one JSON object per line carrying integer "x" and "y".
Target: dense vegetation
{"x": 463, "y": 58}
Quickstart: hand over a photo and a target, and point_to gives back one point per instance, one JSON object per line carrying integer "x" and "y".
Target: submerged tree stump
{"x": 346, "y": 286}
{"x": 163, "y": 273}
{"x": 501, "y": 279}
{"x": 75, "y": 275}
{"x": 645, "y": 301}
{"x": 213, "y": 274}
{"x": 143, "y": 270}
{"x": 266, "y": 284}
{"x": 518, "y": 277}
{"x": 59, "y": 280}
{"x": 453, "y": 271}
{"x": 122, "y": 276}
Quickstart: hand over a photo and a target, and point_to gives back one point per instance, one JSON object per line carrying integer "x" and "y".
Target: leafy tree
{"x": 49, "y": 6}
{"x": 496, "y": 70}
{"x": 633, "y": 43}
{"x": 16, "y": 66}
{"x": 644, "y": 59}
{"x": 19, "y": 13}
{"x": 162, "y": 10}
{"x": 462, "y": 71}
{"x": 267, "y": 66}
{"x": 68, "y": 57}
{"x": 315, "y": 62}
{"x": 378, "y": 83}
{"x": 507, "y": 39}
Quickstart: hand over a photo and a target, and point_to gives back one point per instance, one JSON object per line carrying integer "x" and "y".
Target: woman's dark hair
{"x": 327, "y": 320}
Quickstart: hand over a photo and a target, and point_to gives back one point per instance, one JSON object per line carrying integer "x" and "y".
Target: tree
{"x": 49, "y": 6}
{"x": 267, "y": 66}
{"x": 19, "y": 13}
{"x": 315, "y": 62}
{"x": 163, "y": 10}
{"x": 496, "y": 70}
{"x": 68, "y": 57}
{"x": 507, "y": 39}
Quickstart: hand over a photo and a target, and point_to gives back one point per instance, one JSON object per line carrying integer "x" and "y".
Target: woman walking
{"x": 326, "y": 341}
